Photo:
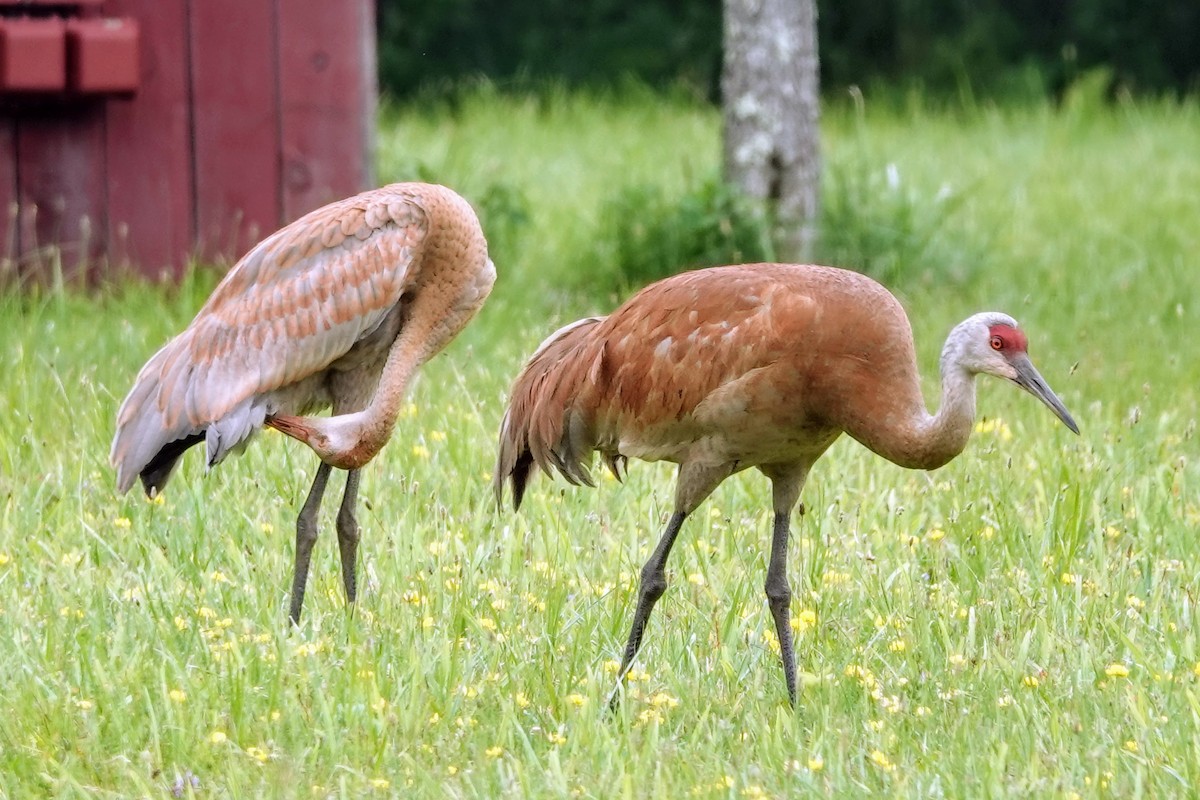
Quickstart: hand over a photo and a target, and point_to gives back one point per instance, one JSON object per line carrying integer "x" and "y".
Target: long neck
{"x": 945, "y": 434}
{"x": 927, "y": 441}
{"x": 456, "y": 277}
{"x": 408, "y": 352}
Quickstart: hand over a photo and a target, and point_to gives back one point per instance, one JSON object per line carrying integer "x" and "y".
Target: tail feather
{"x": 142, "y": 432}
{"x": 543, "y": 426}
{"x": 154, "y": 475}
{"x": 154, "y": 430}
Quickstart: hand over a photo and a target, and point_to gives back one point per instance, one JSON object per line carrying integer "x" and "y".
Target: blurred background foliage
{"x": 562, "y": 63}
{"x": 953, "y": 49}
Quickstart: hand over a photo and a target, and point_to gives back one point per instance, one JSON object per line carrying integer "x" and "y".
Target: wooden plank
{"x": 149, "y": 150}
{"x": 327, "y": 91}
{"x": 61, "y": 191}
{"x": 236, "y": 99}
{"x": 9, "y": 245}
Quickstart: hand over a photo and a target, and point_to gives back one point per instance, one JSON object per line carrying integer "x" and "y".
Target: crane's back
{"x": 305, "y": 321}
{"x": 755, "y": 363}
{"x": 764, "y": 357}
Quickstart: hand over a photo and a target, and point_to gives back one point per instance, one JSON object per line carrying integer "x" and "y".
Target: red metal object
{"x": 102, "y": 55}
{"x": 33, "y": 54}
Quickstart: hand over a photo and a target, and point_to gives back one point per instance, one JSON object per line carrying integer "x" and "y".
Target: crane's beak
{"x": 1029, "y": 379}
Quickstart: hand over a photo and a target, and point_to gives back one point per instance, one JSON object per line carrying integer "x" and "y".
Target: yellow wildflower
{"x": 1116, "y": 671}
{"x": 218, "y": 737}
{"x": 880, "y": 759}
{"x": 804, "y": 621}
{"x": 660, "y": 699}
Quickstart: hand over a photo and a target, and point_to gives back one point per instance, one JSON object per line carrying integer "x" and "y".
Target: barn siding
{"x": 248, "y": 114}
{"x": 151, "y": 222}
{"x": 234, "y": 63}
{"x": 60, "y": 189}
{"x": 8, "y": 196}
{"x": 325, "y": 102}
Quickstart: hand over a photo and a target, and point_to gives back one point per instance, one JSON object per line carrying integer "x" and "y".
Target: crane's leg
{"x": 306, "y": 537}
{"x": 693, "y": 485}
{"x": 347, "y": 531}
{"x": 779, "y": 598}
{"x": 786, "y": 485}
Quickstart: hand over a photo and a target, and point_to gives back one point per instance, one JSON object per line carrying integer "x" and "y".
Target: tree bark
{"x": 771, "y": 108}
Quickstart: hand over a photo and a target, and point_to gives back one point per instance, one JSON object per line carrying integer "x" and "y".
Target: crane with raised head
{"x": 336, "y": 310}
{"x": 758, "y": 365}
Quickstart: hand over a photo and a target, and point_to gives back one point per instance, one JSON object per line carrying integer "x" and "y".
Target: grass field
{"x": 1019, "y": 623}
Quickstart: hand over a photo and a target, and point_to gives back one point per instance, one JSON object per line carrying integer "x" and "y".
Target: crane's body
{"x": 762, "y": 365}
{"x": 336, "y": 310}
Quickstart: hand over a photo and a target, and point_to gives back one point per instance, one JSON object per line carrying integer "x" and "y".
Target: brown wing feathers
{"x": 295, "y": 303}
{"x": 544, "y": 425}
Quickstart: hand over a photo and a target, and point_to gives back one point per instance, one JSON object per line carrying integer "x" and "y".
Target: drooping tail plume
{"x": 545, "y": 424}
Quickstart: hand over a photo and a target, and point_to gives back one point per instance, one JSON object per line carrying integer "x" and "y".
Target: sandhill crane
{"x": 337, "y": 309}
{"x": 760, "y": 365}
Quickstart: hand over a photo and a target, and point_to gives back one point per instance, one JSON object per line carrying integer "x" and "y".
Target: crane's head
{"x": 993, "y": 343}
{"x": 338, "y": 440}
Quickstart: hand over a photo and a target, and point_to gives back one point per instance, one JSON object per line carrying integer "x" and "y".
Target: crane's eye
{"x": 997, "y": 343}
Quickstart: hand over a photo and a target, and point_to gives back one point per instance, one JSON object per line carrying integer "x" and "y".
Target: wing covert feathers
{"x": 713, "y": 366}
{"x": 293, "y": 305}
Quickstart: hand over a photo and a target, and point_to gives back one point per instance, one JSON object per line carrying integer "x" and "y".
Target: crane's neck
{"x": 928, "y": 441}
{"x": 456, "y": 277}
{"x": 349, "y": 441}
{"x": 945, "y": 434}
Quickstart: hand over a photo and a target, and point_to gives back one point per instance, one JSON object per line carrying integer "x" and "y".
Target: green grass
{"x": 1021, "y": 622}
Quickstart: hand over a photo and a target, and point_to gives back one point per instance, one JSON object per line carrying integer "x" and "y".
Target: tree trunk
{"x": 771, "y": 109}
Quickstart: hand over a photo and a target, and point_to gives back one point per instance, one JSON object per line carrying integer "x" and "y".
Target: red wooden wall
{"x": 248, "y": 113}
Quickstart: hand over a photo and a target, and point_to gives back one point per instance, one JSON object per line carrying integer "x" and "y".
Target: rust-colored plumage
{"x": 336, "y": 310}
{"x": 760, "y": 365}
